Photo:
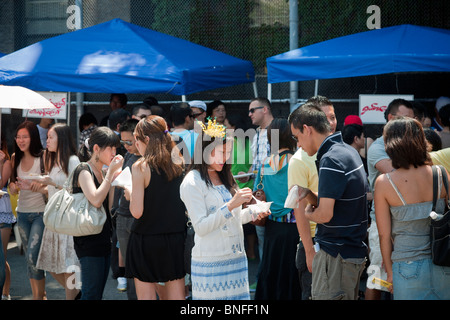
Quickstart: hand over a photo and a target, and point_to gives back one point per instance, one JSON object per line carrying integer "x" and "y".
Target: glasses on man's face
{"x": 295, "y": 138}
{"x": 128, "y": 143}
{"x": 252, "y": 110}
{"x": 195, "y": 115}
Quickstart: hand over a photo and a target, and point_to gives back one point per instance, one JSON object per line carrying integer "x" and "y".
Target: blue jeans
{"x": 94, "y": 273}
{"x": 420, "y": 280}
{"x": 31, "y": 228}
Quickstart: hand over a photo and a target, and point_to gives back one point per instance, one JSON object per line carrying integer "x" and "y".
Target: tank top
{"x": 96, "y": 245}
{"x": 410, "y": 228}
{"x": 30, "y": 201}
{"x": 164, "y": 212}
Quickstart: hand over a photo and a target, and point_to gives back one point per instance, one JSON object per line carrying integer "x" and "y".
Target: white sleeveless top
{"x": 30, "y": 201}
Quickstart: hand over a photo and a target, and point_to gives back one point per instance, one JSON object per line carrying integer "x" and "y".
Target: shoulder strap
{"x": 41, "y": 160}
{"x": 395, "y": 188}
{"x": 440, "y": 173}
{"x": 444, "y": 177}
{"x": 435, "y": 186}
{"x": 73, "y": 178}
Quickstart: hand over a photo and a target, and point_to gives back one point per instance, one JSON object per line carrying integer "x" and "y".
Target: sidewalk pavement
{"x": 20, "y": 285}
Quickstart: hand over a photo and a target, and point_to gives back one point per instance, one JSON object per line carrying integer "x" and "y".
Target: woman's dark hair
{"x": 212, "y": 105}
{"x": 283, "y": 129}
{"x": 405, "y": 143}
{"x": 35, "y": 148}
{"x": 204, "y": 142}
{"x": 4, "y": 146}
{"x": 159, "y": 155}
{"x": 103, "y": 137}
{"x": 66, "y": 148}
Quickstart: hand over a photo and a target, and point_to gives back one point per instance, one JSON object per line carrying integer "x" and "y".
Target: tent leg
{"x": 80, "y": 110}
{"x": 293, "y": 44}
{"x": 269, "y": 91}
{"x": 316, "y": 88}
{"x": 255, "y": 89}
{"x": 183, "y": 98}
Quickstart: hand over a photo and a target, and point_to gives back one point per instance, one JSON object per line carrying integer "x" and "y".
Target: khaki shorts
{"x": 336, "y": 278}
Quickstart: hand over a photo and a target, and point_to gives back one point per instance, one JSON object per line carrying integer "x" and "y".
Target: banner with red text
{"x": 59, "y": 99}
{"x": 372, "y": 106}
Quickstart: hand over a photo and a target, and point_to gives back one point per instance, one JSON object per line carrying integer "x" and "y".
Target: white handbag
{"x": 72, "y": 213}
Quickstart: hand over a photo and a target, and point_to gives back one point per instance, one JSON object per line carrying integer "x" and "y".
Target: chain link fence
{"x": 248, "y": 29}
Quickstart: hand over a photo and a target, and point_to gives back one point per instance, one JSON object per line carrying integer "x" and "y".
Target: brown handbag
{"x": 261, "y": 196}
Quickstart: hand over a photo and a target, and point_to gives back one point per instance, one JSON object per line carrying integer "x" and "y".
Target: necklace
{"x": 96, "y": 172}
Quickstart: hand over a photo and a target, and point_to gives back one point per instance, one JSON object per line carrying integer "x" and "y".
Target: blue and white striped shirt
{"x": 342, "y": 177}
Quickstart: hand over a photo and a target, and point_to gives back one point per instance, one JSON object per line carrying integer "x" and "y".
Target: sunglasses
{"x": 128, "y": 143}
{"x": 195, "y": 115}
{"x": 252, "y": 110}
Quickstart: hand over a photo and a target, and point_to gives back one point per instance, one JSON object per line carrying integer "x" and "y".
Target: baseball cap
{"x": 198, "y": 104}
{"x": 353, "y": 119}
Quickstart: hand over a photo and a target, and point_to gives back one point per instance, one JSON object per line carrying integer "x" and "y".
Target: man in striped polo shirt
{"x": 340, "y": 209}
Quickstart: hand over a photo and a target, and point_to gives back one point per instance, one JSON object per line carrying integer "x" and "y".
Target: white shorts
{"x": 375, "y": 269}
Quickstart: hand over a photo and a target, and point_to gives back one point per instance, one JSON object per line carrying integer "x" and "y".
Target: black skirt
{"x": 278, "y": 279}
{"x": 155, "y": 258}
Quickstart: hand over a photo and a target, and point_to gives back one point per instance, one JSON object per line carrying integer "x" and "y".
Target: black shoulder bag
{"x": 440, "y": 228}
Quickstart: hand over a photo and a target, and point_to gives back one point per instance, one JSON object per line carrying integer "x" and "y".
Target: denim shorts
{"x": 31, "y": 228}
{"x": 5, "y": 225}
{"x": 420, "y": 280}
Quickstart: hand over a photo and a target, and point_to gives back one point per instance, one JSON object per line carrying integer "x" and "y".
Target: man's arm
{"x": 323, "y": 213}
{"x": 304, "y": 229}
{"x": 384, "y": 166}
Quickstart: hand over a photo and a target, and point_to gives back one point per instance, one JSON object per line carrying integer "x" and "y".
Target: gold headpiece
{"x": 213, "y": 129}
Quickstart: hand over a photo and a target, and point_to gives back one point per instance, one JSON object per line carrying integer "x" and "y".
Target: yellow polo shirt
{"x": 303, "y": 172}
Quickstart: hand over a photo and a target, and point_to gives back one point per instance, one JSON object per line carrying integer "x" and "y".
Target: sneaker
{"x": 122, "y": 284}
{"x": 6, "y": 297}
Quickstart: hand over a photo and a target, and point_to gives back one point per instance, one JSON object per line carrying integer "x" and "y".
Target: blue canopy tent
{"x": 118, "y": 56}
{"x": 403, "y": 48}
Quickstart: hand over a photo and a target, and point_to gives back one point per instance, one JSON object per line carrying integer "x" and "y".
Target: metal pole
{"x": 269, "y": 92}
{"x": 293, "y": 44}
{"x": 255, "y": 89}
{"x": 80, "y": 95}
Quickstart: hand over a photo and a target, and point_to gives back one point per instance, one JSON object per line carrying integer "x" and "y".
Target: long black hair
{"x": 198, "y": 163}
{"x": 35, "y": 148}
{"x": 103, "y": 137}
{"x": 66, "y": 148}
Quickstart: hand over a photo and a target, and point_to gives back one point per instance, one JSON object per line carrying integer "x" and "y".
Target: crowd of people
{"x": 361, "y": 214}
